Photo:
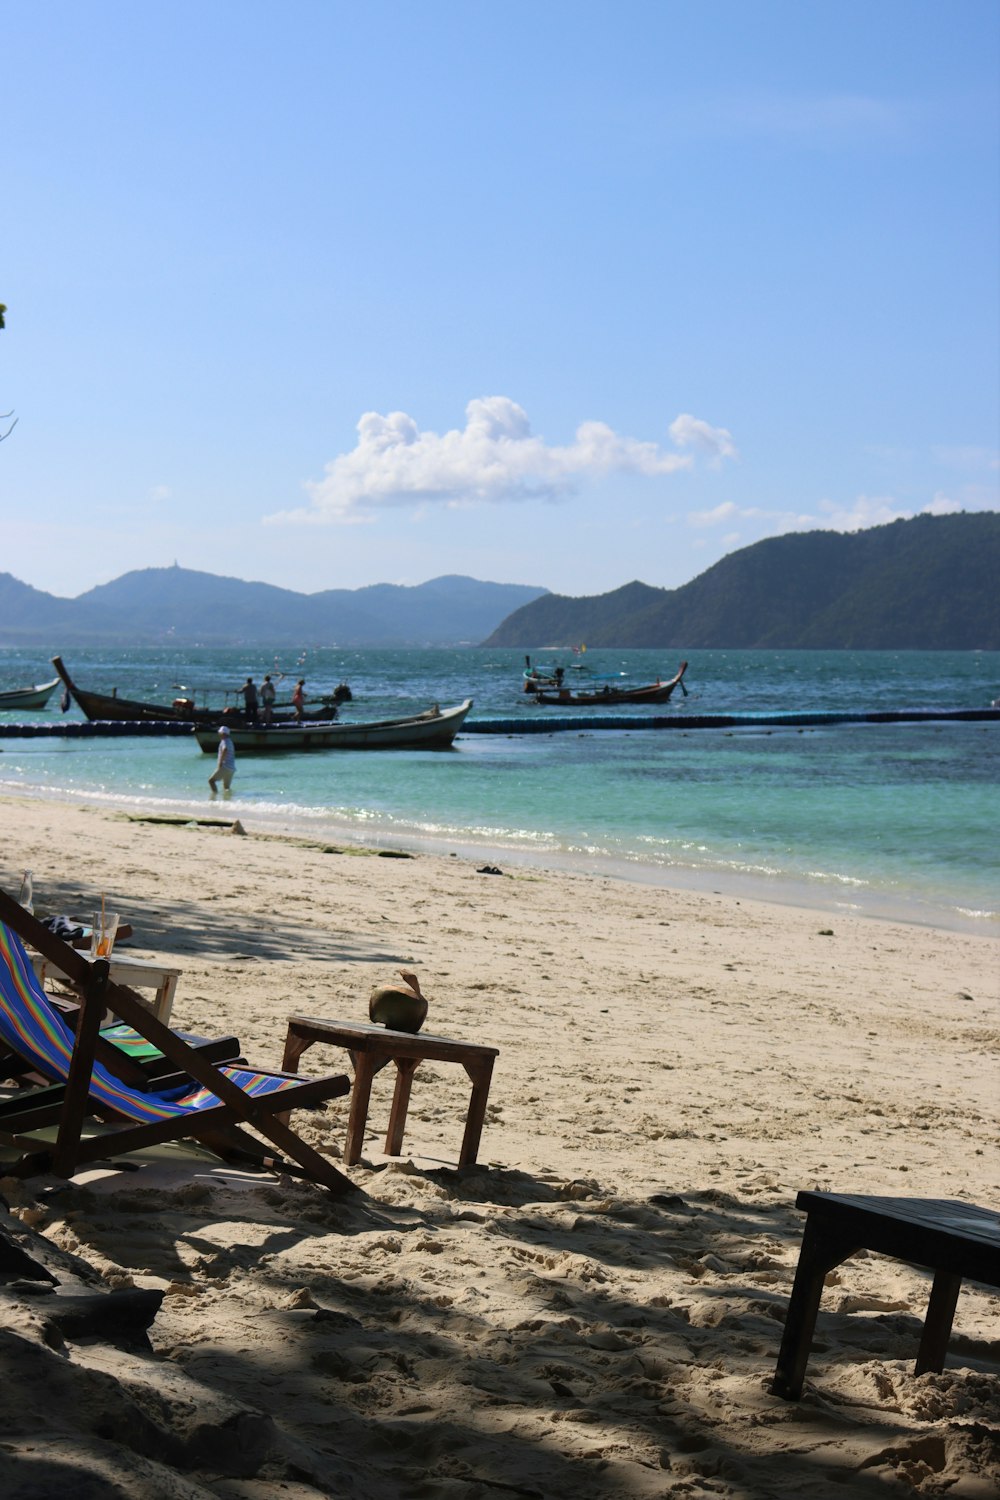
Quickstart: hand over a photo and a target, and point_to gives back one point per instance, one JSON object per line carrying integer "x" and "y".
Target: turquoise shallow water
{"x": 896, "y": 820}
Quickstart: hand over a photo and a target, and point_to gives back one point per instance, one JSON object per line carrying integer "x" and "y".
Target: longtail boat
{"x": 434, "y": 729}
{"x": 103, "y": 706}
{"x": 654, "y": 692}
{"x": 32, "y": 697}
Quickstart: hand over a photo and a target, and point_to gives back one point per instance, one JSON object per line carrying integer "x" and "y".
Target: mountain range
{"x": 180, "y": 606}
{"x": 930, "y": 583}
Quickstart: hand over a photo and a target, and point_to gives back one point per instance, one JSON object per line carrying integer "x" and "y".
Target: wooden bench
{"x": 371, "y": 1048}
{"x": 952, "y": 1239}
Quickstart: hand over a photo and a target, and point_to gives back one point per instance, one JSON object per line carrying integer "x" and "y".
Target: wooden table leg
{"x": 821, "y": 1250}
{"x": 164, "y": 1002}
{"x": 364, "y": 1072}
{"x": 481, "y": 1074}
{"x": 405, "y": 1069}
{"x": 295, "y": 1045}
{"x": 937, "y": 1324}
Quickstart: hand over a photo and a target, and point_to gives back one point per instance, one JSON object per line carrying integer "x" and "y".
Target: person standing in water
{"x": 225, "y": 764}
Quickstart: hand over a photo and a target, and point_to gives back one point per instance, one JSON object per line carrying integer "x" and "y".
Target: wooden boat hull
{"x": 656, "y": 692}
{"x": 433, "y": 730}
{"x": 104, "y": 706}
{"x": 33, "y": 697}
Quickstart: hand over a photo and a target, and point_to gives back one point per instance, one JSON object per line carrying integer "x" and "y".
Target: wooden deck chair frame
{"x": 219, "y": 1126}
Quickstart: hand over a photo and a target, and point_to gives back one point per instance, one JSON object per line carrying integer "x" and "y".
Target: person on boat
{"x": 267, "y": 696}
{"x": 225, "y": 764}
{"x": 249, "y": 691}
{"x": 299, "y": 698}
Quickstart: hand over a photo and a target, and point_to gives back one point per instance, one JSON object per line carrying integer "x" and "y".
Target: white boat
{"x": 434, "y": 729}
{"x": 33, "y": 697}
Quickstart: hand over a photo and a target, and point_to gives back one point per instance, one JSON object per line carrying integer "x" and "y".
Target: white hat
{"x": 223, "y": 729}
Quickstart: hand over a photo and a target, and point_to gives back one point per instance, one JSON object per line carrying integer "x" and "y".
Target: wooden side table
{"x": 952, "y": 1239}
{"x": 371, "y": 1047}
{"x": 137, "y": 973}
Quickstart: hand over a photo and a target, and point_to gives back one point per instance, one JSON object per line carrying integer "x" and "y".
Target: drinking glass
{"x": 102, "y": 935}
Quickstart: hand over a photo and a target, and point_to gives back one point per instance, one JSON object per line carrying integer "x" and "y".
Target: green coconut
{"x": 398, "y": 1007}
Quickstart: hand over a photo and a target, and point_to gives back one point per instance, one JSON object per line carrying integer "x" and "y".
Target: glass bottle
{"x": 26, "y": 898}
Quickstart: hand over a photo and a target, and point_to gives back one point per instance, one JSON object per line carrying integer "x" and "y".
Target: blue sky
{"x": 554, "y": 293}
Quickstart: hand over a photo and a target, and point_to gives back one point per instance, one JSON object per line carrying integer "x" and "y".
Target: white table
{"x": 137, "y": 973}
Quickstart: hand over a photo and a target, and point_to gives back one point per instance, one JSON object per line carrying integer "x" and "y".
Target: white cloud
{"x": 690, "y": 432}
{"x": 727, "y": 511}
{"x": 864, "y": 511}
{"x": 724, "y": 512}
{"x": 859, "y": 515}
{"x": 941, "y": 505}
{"x": 877, "y": 510}
{"x": 494, "y": 459}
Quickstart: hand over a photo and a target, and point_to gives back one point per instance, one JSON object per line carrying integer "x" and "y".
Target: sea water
{"x": 897, "y": 820}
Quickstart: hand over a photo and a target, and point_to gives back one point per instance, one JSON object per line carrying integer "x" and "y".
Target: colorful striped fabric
{"x": 30, "y": 1025}
{"x": 130, "y": 1042}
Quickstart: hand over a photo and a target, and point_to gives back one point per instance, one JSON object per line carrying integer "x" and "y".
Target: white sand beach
{"x": 592, "y": 1311}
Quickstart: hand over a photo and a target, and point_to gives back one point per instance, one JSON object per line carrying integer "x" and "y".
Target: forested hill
{"x": 931, "y": 583}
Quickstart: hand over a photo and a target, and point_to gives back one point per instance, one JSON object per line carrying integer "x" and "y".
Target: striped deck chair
{"x": 213, "y": 1104}
{"x": 123, "y": 1051}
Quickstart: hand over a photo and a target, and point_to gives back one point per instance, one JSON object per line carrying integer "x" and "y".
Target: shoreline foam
{"x": 818, "y": 891}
